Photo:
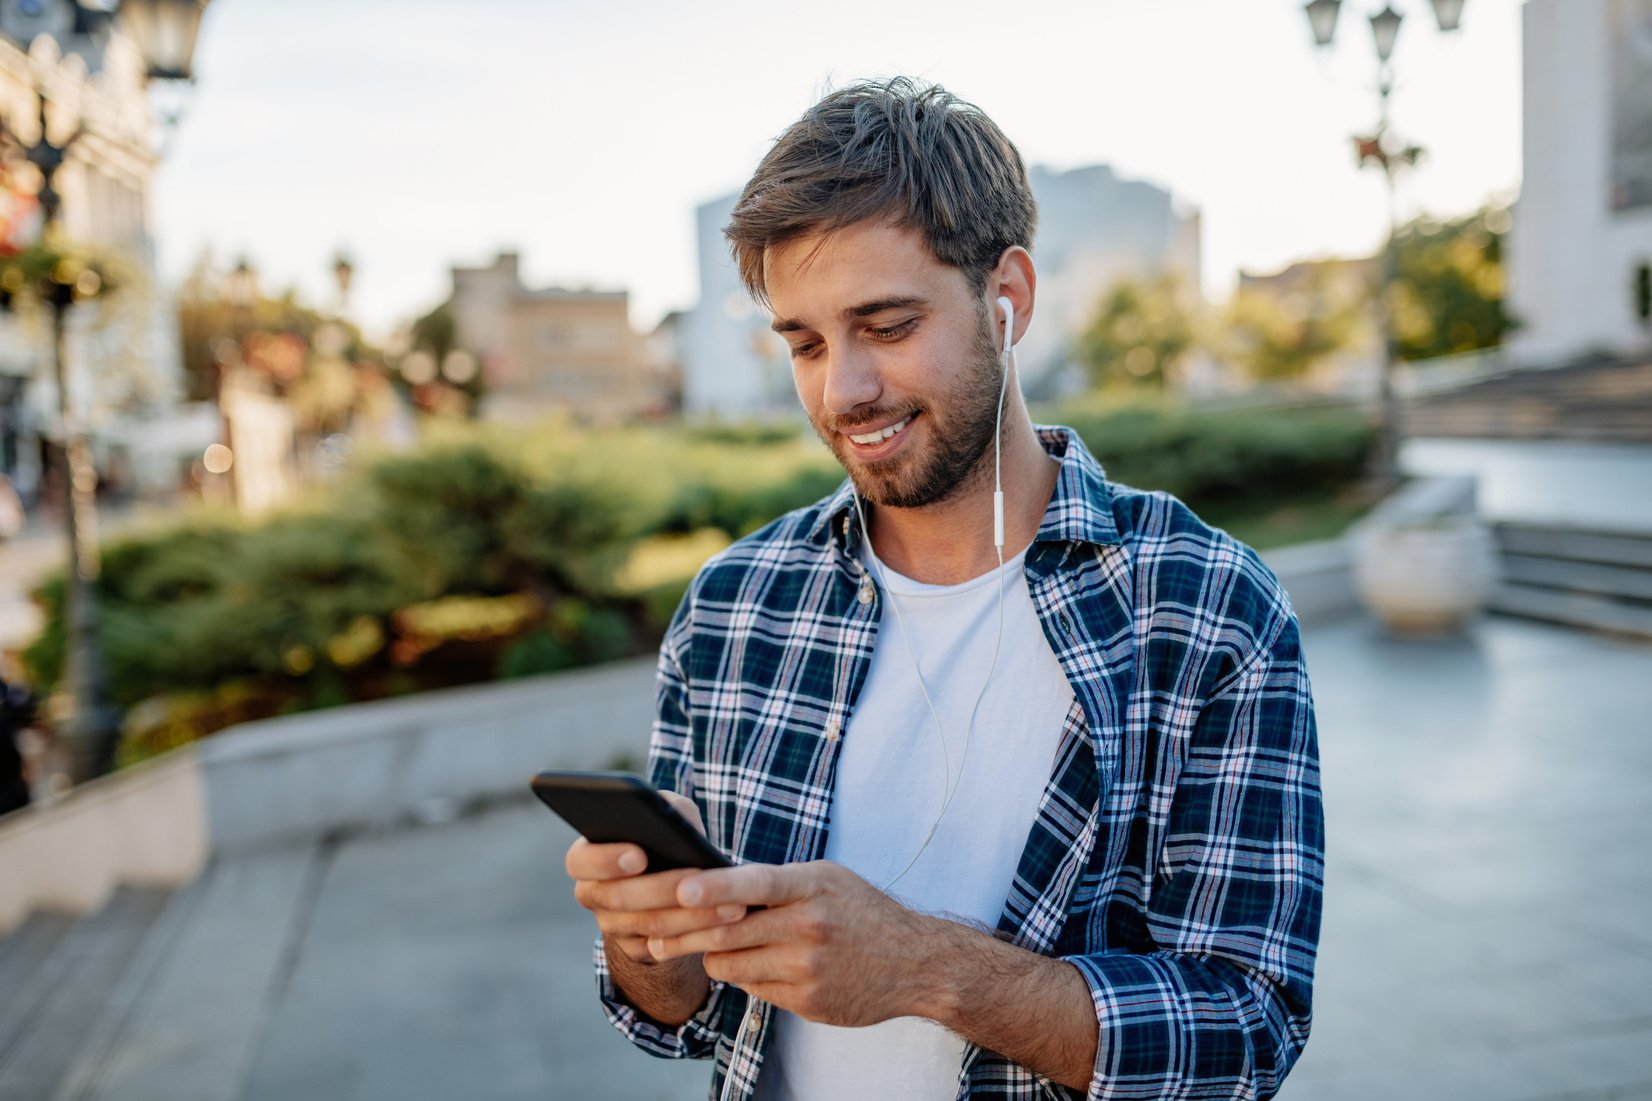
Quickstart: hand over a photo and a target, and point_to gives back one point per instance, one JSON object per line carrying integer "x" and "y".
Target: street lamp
{"x": 1379, "y": 150}
{"x": 92, "y": 724}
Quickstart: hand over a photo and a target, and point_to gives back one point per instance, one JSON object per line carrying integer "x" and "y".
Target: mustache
{"x": 860, "y": 422}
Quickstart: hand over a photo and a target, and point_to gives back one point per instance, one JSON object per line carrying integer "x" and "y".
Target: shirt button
{"x": 833, "y": 729}
{"x": 754, "y": 1020}
{"x": 866, "y": 590}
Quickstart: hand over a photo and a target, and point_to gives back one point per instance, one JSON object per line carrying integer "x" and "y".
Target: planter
{"x": 1427, "y": 575}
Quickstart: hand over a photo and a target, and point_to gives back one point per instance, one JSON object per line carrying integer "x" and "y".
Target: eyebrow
{"x": 865, "y": 309}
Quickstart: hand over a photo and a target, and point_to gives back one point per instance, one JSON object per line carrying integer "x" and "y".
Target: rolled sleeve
{"x": 695, "y": 1038}
{"x": 1222, "y": 1008}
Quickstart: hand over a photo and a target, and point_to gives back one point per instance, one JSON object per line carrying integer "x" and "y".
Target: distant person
{"x": 11, "y": 511}
{"x": 1031, "y": 806}
{"x": 17, "y": 708}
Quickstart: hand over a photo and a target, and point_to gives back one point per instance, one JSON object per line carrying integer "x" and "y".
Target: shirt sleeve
{"x": 670, "y": 769}
{"x": 1222, "y": 1008}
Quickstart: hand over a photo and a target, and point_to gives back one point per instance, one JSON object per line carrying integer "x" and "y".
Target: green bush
{"x": 1216, "y": 460}
{"x": 497, "y": 552}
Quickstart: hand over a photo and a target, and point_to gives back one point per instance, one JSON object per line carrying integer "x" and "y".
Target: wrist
{"x": 939, "y": 990}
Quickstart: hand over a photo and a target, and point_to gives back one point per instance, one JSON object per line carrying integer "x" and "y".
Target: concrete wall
{"x": 292, "y": 779}
{"x": 143, "y": 826}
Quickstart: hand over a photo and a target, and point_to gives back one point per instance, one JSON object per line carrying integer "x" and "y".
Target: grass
{"x": 1301, "y": 519}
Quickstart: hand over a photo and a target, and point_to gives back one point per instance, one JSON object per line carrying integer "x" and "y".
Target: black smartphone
{"x": 617, "y": 806}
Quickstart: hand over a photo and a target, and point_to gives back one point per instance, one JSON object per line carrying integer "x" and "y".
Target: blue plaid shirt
{"x": 1177, "y": 855}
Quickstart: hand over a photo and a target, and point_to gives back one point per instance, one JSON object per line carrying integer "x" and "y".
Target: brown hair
{"x": 912, "y": 154}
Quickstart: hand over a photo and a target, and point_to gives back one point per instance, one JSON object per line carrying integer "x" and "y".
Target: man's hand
{"x": 829, "y": 947}
{"x": 631, "y": 906}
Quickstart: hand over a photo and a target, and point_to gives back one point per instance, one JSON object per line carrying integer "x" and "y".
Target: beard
{"x": 959, "y": 423}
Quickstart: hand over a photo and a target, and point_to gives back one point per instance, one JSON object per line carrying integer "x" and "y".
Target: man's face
{"x": 894, "y": 358}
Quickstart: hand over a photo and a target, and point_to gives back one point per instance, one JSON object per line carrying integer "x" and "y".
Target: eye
{"x": 893, "y": 332}
{"x": 804, "y": 350}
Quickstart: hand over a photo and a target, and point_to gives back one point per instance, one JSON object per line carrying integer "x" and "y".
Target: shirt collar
{"x": 1080, "y": 510}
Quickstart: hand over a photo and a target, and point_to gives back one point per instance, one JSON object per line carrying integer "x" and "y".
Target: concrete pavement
{"x": 1486, "y": 935}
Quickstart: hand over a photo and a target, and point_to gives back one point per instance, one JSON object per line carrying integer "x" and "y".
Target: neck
{"x": 951, "y": 541}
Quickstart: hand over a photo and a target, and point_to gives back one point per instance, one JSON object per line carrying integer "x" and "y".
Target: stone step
{"x": 1575, "y": 609}
{"x": 43, "y": 1020}
{"x": 1606, "y": 548}
{"x": 1620, "y": 582}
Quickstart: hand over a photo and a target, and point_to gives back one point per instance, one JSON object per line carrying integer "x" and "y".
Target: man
{"x": 1038, "y": 821}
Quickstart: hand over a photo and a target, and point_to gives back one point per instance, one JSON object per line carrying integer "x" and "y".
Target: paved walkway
{"x": 1486, "y": 934}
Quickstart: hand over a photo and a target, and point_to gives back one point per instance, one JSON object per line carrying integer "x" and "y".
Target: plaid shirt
{"x": 1177, "y": 855}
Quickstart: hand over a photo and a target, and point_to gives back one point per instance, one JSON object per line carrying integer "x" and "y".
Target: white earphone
{"x": 949, "y": 787}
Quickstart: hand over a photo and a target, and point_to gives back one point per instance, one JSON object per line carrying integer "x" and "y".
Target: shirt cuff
{"x": 695, "y": 1038}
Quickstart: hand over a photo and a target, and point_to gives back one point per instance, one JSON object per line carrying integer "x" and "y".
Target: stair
{"x": 56, "y": 973}
{"x": 1598, "y": 580}
{"x": 1599, "y": 399}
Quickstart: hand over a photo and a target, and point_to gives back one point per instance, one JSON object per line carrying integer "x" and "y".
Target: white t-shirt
{"x": 892, "y": 777}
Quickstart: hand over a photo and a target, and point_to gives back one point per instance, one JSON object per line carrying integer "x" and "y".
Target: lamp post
{"x": 1382, "y": 151}
{"x": 164, "y": 31}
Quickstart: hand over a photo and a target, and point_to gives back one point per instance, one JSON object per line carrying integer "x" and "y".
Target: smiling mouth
{"x": 882, "y": 434}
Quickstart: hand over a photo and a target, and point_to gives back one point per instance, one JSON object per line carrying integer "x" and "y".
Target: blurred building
{"x": 1094, "y": 229}
{"x": 1582, "y": 228}
{"x": 552, "y": 348}
{"x": 126, "y": 373}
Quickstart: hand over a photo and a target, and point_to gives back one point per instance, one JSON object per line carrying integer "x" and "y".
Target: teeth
{"x": 879, "y": 437}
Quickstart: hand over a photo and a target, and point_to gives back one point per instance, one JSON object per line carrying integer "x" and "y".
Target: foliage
{"x": 1448, "y": 293}
{"x": 1225, "y": 459}
{"x": 1273, "y": 335}
{"x": 1140, "y": 333}
{"x": 60, "y": 271}
{"x": 503, "y": 552}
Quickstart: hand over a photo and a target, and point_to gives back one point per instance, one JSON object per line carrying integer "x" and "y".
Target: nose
{"x": 851, "y": 380}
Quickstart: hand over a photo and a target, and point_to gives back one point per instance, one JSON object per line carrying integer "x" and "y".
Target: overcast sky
{"x": 416, "y": 134}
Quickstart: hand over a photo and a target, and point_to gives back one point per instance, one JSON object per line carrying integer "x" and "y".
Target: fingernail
{"x": 656, "y": 948}
{"x": 633, "y": 861}
{"x": 689, "y": 892}
{"x": 730, "y": 912}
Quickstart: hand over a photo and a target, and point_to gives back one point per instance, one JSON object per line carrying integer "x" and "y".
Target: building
{"x": 552, "y": 348}
{"x": 1094, "y": 229}
{"x": 77, "y": 56}
{"x": 1582, "y": 228}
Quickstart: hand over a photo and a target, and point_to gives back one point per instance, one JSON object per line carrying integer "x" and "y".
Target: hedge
{"x": 495, "y": 552}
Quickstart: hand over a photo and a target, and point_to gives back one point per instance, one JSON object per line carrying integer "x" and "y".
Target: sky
{"x": 419, "y": 134}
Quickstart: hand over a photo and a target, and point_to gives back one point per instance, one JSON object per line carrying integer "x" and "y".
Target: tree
{"x": 1140, "y": 333}
{"x": 1282, "y": 334}
{"x": 1448, "y": 294}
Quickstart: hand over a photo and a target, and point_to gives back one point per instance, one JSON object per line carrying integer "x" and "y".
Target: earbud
{"x": 997, "y": 460}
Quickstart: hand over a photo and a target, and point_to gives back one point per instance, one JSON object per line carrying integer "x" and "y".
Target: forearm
{"x": 668, "y": 992}
{"x": 1033, "y": 1010}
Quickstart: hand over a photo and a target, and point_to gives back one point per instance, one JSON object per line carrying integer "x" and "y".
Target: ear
{"x": 1014, "y": 278}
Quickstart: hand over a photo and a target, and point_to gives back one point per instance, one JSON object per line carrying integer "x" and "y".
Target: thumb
{"x": 687, "y": 808}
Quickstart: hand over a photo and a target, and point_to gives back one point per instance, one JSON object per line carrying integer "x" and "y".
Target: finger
{"x": 750, "y": 885}
{"x": 655, "y": 891}
{"x": 757, "y": 929}
{"x": 611, "y": 861}
{"x": 685, "y": 807}
{"x": 667, "y": 924}
{"x": 751, "y": 966}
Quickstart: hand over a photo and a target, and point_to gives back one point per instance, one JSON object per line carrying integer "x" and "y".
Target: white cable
{"x": 949, "y": 786}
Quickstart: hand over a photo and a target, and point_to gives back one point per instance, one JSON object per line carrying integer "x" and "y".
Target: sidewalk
{"x": 1486, "y": 936}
